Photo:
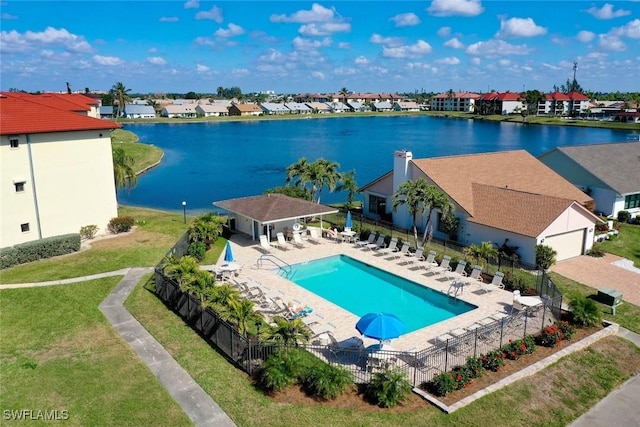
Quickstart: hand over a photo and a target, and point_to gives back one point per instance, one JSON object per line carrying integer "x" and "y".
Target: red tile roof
{"x": 558, "y": 96}
{"x": 577, "y": 96}
{"x": 23, "y": 113}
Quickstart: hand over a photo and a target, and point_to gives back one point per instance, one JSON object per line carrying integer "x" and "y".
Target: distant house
{"x": 319, "y": 107}
{"x": 56, "y": 168}
{"x": 406, "y": 106}
{"x": 357, "y": 106}
{"x": 274, "y": 108}
{"x": 563, "y": 104}
{"x": 498, "y": 197}
{"x": 106, "y": 112}
{"x": 139, "y": 111}
{"x": 610, "y": 173}
{"x": 454, "y": 101}
{"x": 499, "y": 103}
{"x": 245, "y": 110}
{"x": 212, "y": 110}
{"x": 627, "y": 117}
{"x": 382, "y": 106}
{"x": 182, "y": 111}
{"x": 337, "y": 107}
{"x": 298, "y": 108}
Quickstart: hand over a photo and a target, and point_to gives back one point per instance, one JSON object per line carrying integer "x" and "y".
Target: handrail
{"x": 281, "y": 264}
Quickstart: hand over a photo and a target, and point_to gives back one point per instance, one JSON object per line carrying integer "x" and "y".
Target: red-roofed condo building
{"x": 56, "y": 167}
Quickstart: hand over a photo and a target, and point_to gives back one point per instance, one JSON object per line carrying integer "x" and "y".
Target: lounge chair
{"x": 377, "y": 245}
{"x": 430, "y": 261}
{"x": 265, "y": 245}
{"x": 393, "y": 247}
{"x": 415, "y": 256}
{"x": 476, "y": 275}
{"x": 282, "y": 242}
{"x": 459, "y": 272}
{"x": 313, "y": 236}
{"x": 364, "y": 243}
{"x": 496, "y": 283}
{"x": 297, "y": 241}
{"x": 443, "y": 267}
{"x": 403, "y": 251}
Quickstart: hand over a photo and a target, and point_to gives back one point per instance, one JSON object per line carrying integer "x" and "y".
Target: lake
{"x": 207, "y": 162}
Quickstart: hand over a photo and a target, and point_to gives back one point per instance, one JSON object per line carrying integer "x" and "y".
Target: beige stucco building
{"x": 56, "y": 170}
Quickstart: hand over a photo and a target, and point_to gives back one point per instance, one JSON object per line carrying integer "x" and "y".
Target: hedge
{"x": 39, "y": 249}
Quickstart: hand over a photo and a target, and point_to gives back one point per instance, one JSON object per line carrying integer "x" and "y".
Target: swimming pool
{"x": 361, "y": 288}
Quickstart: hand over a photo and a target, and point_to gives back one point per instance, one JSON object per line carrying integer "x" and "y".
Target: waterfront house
{"x": 381, "y": 106}
{"x": 609, "y": 173}
{"x": 499, "y": 103}
{"x": 298, "y": 108}
{"x": 138, "y": 111}
{"x": 454, "y": 101}
{"x": 274, "y": 108}
{"x": 212, "y": 110}
{"x": 181, "y": 111}
{"x": 358, "y": 106}
{"x": 106, "y": 112}
{"x": 563, "y": 104}
{"x": 245, "y": 110}
{"x": 337, "y": 107}
{"x": 505, "y": 196}
{"x": 56, "y": 168}
{"x": 319, "y": 107}
{"x": 406, "y": 106}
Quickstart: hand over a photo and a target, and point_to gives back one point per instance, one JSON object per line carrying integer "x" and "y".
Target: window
{"x": 24, "y": 227}
{"x": 632, "y": 201}
{"x": 377, "y": 205}
{"x": 19, "y": 186}
{"x": 14, "y": 142}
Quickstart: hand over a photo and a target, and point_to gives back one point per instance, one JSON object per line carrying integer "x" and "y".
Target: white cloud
{"x": 454, "y": 43}
{"x": 300, "y": 43}
{"x": 14, "y": 41}
{"x": 405, "y": 19}
{"x": 504, "y": 62}
{"x": 232, "y": 30}
{"x": 318, "y": 75}
{"x": 607, "y": 12}
{"x": 272, "y": 55}
{"x": 361, "y": 60}
{"x": 344, "y": 45}
{"x": 444, "y": 31}
{"x": 318, "y": 13}
{"x": 204, "y": 41}
{"x": 47, "y": 53}
{"x": 345, "y": 71}
{"x": 168, "y": 19}
{"x": 387, "y": 41}
{"x": 192, "y": 4}
{"x": 450, "y": 60}
{"x": 107, "y": 60}
{"x": 611, "y": 42}
{"x": 551, "y": 66}
{"x": 214, "y": 14}
{"x": 157, "y": 60}
{"x": 7, "y": 17}
{"x": 201, "y": 68}
{"x": 520, "y": 27}
{"x": 585, "y": 36}
{"x": 455, "y": 8}
{"x": 493, "y": 48}
{"x": 324, "y": 29}
{"x": 152, "y": 50}
{"x": 631, "y": 30}
{"x": 475, "y": 61}
{"x": 416, "y": 50}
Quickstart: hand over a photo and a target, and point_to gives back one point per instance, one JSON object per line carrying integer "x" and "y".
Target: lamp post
{"x": 184, "y": 211}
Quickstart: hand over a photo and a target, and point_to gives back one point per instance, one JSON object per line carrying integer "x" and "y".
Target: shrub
{"x": 197, "y": 250}
{"x": 89, "y": 231}
{"x": 327, "y": 382}
{"x": 595, "y": 252}
{"x": 514, "y": 349}
{"x": 388, "y": 388}
{"x": 120, "y": 224}
{"x": 39, "y": 249}
{"x": 623, "y": 216}
{"x": 282, "y": 369}
{"x": 493, "y": 360}
{"x": 462, "y": 376}
{"x": 567, "y": 329}
{"x": 443, "y": 384}
{"x": 545, "y": 256}
{"x": 585, "y": 311}
{"x": 475, "y": 366}
{"x": 554, "y": 334}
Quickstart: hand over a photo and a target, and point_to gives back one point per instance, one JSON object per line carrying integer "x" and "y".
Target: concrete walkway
{"x": 197, "y": 404}
{"x": 120, "y": 272}
{"x": 620, "y": 407}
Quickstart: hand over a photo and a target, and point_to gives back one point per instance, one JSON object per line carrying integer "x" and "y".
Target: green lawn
{"x": 144, "y": 155}
{"x": 58, "y": 352}
{"x": 157, "y": 232}
{"x": 626, "y": 245}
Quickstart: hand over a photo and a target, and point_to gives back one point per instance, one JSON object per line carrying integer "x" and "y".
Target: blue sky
{"x": 299, "y": 46}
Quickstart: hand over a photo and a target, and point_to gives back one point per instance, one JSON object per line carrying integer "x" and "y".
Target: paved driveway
{"x": 602, "y": 273}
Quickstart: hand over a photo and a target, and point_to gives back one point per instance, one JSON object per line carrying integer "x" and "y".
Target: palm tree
{"x": 318, "y": 174}
{"x": 206, "y": 229}
{"x": 344, "y": 92}
{"x": 298, "y": 173}
{"x": 202, "y": 287}
{"x": 288, "y": 331}
{"x": 123, "y": 173}
{"x": 434, "y": 199}
{"x": 121, "y": 93}
{"x": 183, "y": 271}
{"x": 348, "y": 183}
{"x": 242, "y": 313}
{"x": 411, "y": 194}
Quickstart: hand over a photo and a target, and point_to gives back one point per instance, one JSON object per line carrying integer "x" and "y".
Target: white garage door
{"x": 568, "y": 245}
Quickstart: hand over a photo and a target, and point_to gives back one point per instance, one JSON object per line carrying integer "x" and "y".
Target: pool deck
{"x": 247, "y": 253}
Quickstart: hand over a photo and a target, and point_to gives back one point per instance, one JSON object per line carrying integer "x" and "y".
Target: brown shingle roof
{"x": 516, "y": 211}
{"x": 274, "y": 207}
{"x": 516, "y": 170}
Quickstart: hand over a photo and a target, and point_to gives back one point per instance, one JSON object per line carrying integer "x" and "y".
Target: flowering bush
{"x": 493, "y": 360}
{"x": 514, "y": 349}
{"x": 444, "y": 383}
{"x": 567, "y": 329}
{"x": 475, "y": 367}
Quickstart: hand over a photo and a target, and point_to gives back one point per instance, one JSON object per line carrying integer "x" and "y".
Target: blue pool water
{"x": 360, "y": 288}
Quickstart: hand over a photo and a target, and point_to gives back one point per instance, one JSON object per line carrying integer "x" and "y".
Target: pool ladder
{"x": 284, "y": 268}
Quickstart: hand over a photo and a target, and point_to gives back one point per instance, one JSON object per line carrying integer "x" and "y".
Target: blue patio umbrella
{"x": 228, "y": 253}
{"x": 348, "y": 223}
{"x": 380, "y": 326}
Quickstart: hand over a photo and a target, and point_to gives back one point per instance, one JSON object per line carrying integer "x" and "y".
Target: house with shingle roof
{"x": 505, "y": 196}
{"x": 319, "y": 107}
{"x": 56, "y": 168}
{"x": 212, "y": 110}
{"x": 139, "y": 111}
{"x": 245, "y": 110}
{"x": 610, "y": 173}
{"x": 182, "y": 111}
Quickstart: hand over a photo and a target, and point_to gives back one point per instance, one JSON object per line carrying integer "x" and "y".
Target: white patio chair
{"x": 403, "y": 251}
{"x": 377, "y": 245}
{"x": 415, "y": 256}
{"x": 265, "y": 245}
{"x": 313, "y": 236}
{"x": 364, "y": 243}
{"x": 282, "y": 242}
{"x": 393, "y": 244}
{"x": 443, "y": 267}
{"x": 475, "y": 276}
{"x": 297, "y": 241}
{"x": 459, "y": 272}
{"x": 430, "y": 262}
{"x": 496, "y": 283}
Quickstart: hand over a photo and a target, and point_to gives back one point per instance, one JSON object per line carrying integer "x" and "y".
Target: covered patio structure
{"x": 269, "y": 214}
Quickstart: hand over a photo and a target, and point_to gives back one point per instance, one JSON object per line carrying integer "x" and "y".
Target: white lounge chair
{"x": 403, "y": 251}
{"x": 265, "y": 245}
{"x": 459, "y": 272}
{"x": 313, "y": 236}
{"x": 364, "y": 243}
{"x": 443, "y": 267}
{"x": 476, "y": 275}
{"x": 414, "y": 256}
{"x": 393, "y": 244}
{"x": 496, "y": 283}
{"x": 297, "y": 241}
{"x": 282, "y": 242}
{"x": 430, "y": 262}
{"x": 377, "y": 245}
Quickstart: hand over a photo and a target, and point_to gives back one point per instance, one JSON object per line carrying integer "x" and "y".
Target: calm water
{"x": 361, "y": 289}
{"x": 207, "y": 162}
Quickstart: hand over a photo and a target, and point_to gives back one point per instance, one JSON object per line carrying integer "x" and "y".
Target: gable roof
{"x": 516, "y": 211}
{"x": 617, "y": 165}
{"x": 139, "y": 109}
{"x": 247, "y": 108}
{"x": 516, "y": 170}
{"x": 24, "y": 113}
{"x": 213, "y": 108}
{"x": 269, "y": 208}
